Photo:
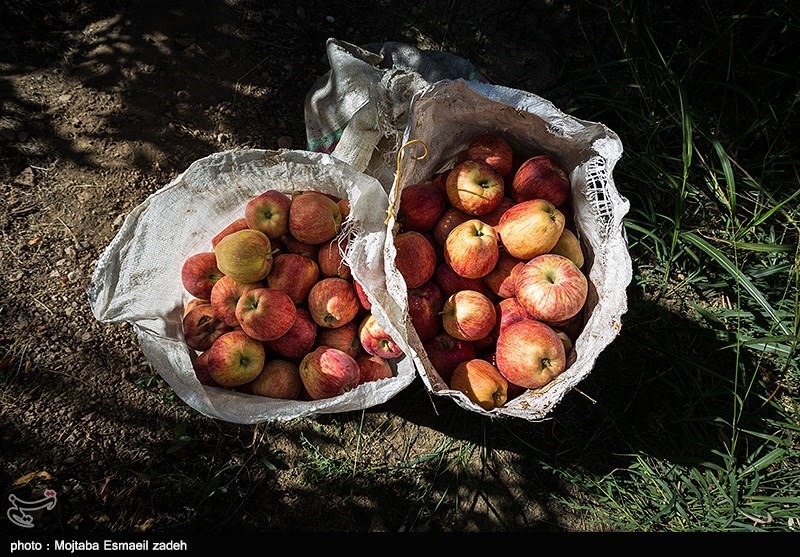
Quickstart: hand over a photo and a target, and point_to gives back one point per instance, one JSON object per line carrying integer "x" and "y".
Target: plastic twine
{"x": 390, "y": 210}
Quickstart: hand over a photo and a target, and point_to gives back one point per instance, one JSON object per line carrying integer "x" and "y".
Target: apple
{"x": 299, "y": 339}
{"x": 373, "y": 368}
{"x": 345, "y": 338}
{"x": 363, "y": 299}
{"x": 551, "y": 288}
{"x": 492, "y": 218}
{"x": 235, "y": 359}
{"x": 201, "y": 327}
{"x": 314, "y": 218}
{"x": 415, "y": 258}
{"x": 344, "y": 208}
{"x": 424, "y": 306}
{"x": 439, "y": 181}
{"x": 269, "y": 213}
{"x": 471, "y": 249}
{"x": 332, "y": 302}
{"x": 376, "y": 341}
{"x": 530, "y": 228}
{"x": 474, "y": 187}
{"x": 278, "y": 379}
{"x": 541, "y": 177}
{"x": 200, "y": 366}
{"x": 446, "y": 353}
{"x": 327, "y": 372}
{"x": 245, "y": 255}
{"x": 421, "y": 207}
{"x": 450, "y": 282}
{"x": 265, "y": 313}
{"x": 493, "y": 150}
{"x": 331, "y": 262}
{"x": 502, "y": 279}
{"x": 569, "y": 246}
{"x": 293, "y": 274}
{"x": 235, "y": 226}
{"x": 293, "y": 245}
{"x": 200, "y": 273}
{"x": 193, "y": 303}
{"x": 225, "y": 295}
{"x": 509, "y": 311}
{"x": 451, "y": 218}
{"x": 565, "y": 340}
{"x": 530, "y": 354}
{"x": 481, "y": 382}
{"x": 468, "y": 315}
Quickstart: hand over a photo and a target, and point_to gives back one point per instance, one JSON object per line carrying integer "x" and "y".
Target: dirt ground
{"x": 103, "y": 103}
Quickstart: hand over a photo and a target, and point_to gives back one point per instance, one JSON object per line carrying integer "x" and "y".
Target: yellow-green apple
{"x": 293, "y": 245}
{"x": 363, "y": 299}
{"x": 200, "y": 366}
{"x": 235, "y": 226}
{"x": 468, "y": 315}
{"x": 278, "y": 379}
{"x": 471, "y": 249}
{"x": 415, "y": 258}
{"x": 502, "y": 279}
{"x": 450, "y": 282}
{"x": 345, "y": 338}
{"x": 235, "y": 359}
{"x": 481, "y": 382}
{"x": 225, "y": 295}
{"x": 540, "y": 177}
{"x": 424, "y": 307}
{"x": 529, "y": 354}
{"x": 450, "y": 219}
{"x": 200, "y": 273}
{"x": 193, "y": 303}
{"x": 530, "y": 228}
{"x": 201, "y": 327}
{"x": 327, "y": 372}
{"x": 269, "y": 213}
{"x": 373, "y": 368}
{"x": 474, "y": 187}
{"x": 245, "y": 255}
{"x": 446, "y": 353}
{"x": 569, "y": 246}
{"x": 332, "y": 302}
{"x": 551, "y": 288}
{"x": 265, "y": 313}
{"x": 299, "y": 339}
{"x": 493, "y": 150}
{"x": 376, "y": 341}
{"x": 331, "y": 262}
{"x": 294, "y": 275}
{"x": 314, "y": 218}
{"x": 421, "y": 207}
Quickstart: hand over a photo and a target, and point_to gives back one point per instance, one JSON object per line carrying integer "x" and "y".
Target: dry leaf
{"x": 35, "y": 240}
{"x": 146, "y": 525}
{"x": 28, "y": 478}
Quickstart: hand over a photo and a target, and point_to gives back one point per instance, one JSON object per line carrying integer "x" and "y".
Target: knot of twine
{"x": 390, "y": 210}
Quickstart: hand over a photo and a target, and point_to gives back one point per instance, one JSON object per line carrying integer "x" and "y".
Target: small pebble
{"x": 73, "y": 275}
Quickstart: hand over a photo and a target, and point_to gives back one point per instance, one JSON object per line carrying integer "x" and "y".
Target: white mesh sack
{"x": 445, "y": 117}
{"x": 138, "y": 277}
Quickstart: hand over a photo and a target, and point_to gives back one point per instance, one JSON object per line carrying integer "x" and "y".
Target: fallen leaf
{"x": 28, "y": 478}
{"x": 146, "y": 525}
{"x": 35, "y": 240}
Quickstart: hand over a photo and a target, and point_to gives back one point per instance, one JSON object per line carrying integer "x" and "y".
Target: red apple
{"x": 201, "y": 327}
{"x": 421, "y": 207}
{"x": 327, "y": 372}
{"x": 314, "y": 218}
{"x": 235, "y": 359}
{"x": 373, "y": 368}
{"x": 193, "y": 303}
{"x": 530, "y": 228}
{"x": 450, "y": 282}
{"x": 299, "y": 339}
{"x": 363, "y": 299}
{"x": 200, "y": 366}
{"x": 344, "y": 208}
{"x": 331, "y": 262}
{"x": 569, "y": 246}
{"x": 493, "y": 150}
{"x": 541, "y": 177}
{"x": 269, "y": 213}
{"x": 235, "y": 226}
{"x": 446, "y": 353}
{"x": 509, "y": 311}
{"x": 424, "y": 306}
{"x": 332, "y": 302}
{"x": 265, "y": 313}
{"x": 481, "y": 382}
{"x": 376, "y": 341}
{"x": 502, "y": 279}
{"x": 245, "y": 255}
{"x": 471, "y": 249}
{"x": 344, "y": 338}
{"x": 415, "y": 258}
{"x": 200, "y": 273}
{"x": 451, "y": 218}
{"x": 468, "y": 315}
{"x": 493, "y": 217}
{"x": 225, "y": 295}
{"x": 530, "y": 354}
{"x": 293, "y": 274}
{"x": 278, "y": 379}
{"x": 474, "y": 187}
{"x": 439, "y": 181}
{"x": 551, "y": 288}
{"x": 293, "y": 245}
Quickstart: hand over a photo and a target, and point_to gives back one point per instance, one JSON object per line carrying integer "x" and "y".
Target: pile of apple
{"x": 495, "y": 287}
{"x": 276, "y": 312}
